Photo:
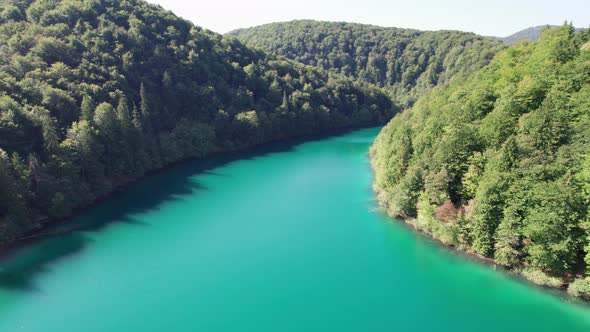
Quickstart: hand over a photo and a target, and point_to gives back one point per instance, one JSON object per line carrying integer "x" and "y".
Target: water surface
{"x": 283, "y": 239}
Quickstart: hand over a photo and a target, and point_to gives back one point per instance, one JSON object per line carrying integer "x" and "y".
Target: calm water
{"x": 286, "y": 239}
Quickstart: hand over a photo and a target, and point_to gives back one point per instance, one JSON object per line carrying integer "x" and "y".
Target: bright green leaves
{"x": 509, "y": 146}
{"x": 490, "y": 198}
{"x": 551, "y": 227}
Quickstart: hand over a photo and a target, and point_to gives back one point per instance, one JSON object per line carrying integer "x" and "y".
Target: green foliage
{"x": 405, "y": 62}
{"x": 552, "y": 227}
{"x": 580, "y": 288}
{"x": 12, "y": 197}
{"x": 540, "y": 278}
{"x": 96, "y": 93}
{"x": 508, "y": 238}
{"x": 510, "y": 145}
{"x": 490, "y": 197}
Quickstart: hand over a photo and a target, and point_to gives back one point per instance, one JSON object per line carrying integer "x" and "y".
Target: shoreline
{"x": 50, "y": 227}
{"x": 524, "y": 274}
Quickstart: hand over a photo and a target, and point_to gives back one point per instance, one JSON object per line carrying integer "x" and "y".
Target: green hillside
{"x": 405, "y": 62}
{"x": 499, "y": 163}
{"x": 94, "y": 94}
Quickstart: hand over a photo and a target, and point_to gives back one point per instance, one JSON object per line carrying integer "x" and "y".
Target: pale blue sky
{"x": 491, "y": 17}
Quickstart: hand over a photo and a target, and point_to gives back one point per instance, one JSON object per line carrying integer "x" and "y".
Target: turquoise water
{"x": 283, "y": 239}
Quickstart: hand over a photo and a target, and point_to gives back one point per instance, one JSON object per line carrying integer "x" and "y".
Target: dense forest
{"x": 405, "y": 62}
{"x": 96, "y": 93}
{"x": 499, "y": 163}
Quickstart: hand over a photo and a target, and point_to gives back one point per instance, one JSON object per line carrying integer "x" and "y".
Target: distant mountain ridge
{"x": 532, "y": 34}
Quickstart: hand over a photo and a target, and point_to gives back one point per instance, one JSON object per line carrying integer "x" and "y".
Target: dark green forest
{"x": 405, "y": 62}
{"x": 498, "y": 163}
{"x": 96, "y": 93}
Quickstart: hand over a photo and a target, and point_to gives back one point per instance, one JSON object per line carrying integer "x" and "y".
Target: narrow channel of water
{"x": 284, "y": 239}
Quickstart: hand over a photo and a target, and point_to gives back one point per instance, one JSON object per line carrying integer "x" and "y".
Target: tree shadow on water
{"x": 21, "y": 264}
{"x": 18, "y": 270}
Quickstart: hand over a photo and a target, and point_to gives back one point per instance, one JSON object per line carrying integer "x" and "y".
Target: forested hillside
{"x": 406, "y": 62}
{"x": 499, "y": 163}
{"x": 95, "y": 93}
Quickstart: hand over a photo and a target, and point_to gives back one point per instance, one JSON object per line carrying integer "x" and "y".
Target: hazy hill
{"x": 531, "y": 34}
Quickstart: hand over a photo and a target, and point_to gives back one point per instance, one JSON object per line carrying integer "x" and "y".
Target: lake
{"x": 285, "y": 238}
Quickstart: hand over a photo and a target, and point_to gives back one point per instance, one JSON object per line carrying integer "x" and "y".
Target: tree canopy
{"x": 95, "y": 93}
{"x": 405, "y": 62}
{"x": 506, "y": 152}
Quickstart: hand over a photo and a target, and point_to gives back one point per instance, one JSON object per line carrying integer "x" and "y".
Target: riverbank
{"x": 50, "y": 227}
{"x": 287, "y": 234}
{"x": 574, "y": 287}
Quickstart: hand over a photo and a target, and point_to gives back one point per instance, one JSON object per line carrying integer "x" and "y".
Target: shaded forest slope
{"x": 95, "y": 93}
